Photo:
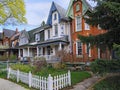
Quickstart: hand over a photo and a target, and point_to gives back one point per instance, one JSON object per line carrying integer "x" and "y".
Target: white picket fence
{"x": 42, "y": 83}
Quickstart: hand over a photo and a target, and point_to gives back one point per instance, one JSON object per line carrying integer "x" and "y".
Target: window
{"x": 48, "y": 34}
{"x": 79, "y": 48}
{"x": 78, "y": 23}
{"x": 62, "y": 29}
{"x": 88, "y": 50}
{"x": 87, "y": 26}
{"x": 77, "y": 7}
{"x": 37, "y": 37}
{"x": 55, "y": 16}
{"x": 56, "y": 30}
{"x": 99, "y": 27}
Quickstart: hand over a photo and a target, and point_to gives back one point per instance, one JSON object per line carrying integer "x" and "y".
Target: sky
{"x": 36, "y": 12}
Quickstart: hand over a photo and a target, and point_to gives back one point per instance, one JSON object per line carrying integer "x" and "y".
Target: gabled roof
{"x": 85, "y": 6}
{"x": 8, "y": 33}
{"x": 25, "y": 33}
{"x": 61, "y": 12}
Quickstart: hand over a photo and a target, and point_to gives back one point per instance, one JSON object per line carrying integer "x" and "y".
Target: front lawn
{"x": 78, "y": 76}
{"x": 110, "y": 83}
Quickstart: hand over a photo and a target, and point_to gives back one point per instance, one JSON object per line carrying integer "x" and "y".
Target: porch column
{"x": 19, "y": 53}
{"x": 28, "y": 51}
{"x": 37, "y": 51}
{"x": 60, "y": 46}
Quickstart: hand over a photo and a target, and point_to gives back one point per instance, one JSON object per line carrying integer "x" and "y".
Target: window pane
{"x": 77, "y": 7}
{"x": 79, "y": 48}
{"x": 78, "y": 23}
{"x": 56, "y": 30}
{"x": 48, "y": 33}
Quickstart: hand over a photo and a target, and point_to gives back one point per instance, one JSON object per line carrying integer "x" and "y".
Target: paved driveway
{"x": 7, "y": 85}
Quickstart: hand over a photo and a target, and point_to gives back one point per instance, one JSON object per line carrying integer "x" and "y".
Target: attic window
{"x": 77, "y": 7}
{"x": 55, "y": 16}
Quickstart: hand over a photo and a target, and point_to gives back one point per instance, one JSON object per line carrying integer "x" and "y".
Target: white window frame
{"x": 78, "y": 22}
{"x": 99, "y": 28}
{"x": 48, "y": 31}
{"x": 87, "y": 26}
{"x": 77, "y": 48}
{"x": 37, "y": 37}
{"x": 55, "y": 29}
{"x": 88, "y": 47}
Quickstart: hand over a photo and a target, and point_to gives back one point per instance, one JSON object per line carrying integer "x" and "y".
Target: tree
{"x": 12, "y": 9}
{"x": 107, "y": 15}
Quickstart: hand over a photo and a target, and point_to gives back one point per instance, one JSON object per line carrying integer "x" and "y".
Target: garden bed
{"x": 76, "y": 76}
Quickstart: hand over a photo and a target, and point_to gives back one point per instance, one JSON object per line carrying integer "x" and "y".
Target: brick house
{"x": 76, "y": 11}
{"x": 6, "y": 42}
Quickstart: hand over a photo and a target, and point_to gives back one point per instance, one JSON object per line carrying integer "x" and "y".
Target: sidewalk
{"x": 85, "y": 84}
{"x": 7, "y": 85}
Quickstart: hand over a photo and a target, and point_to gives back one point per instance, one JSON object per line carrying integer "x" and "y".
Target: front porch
{"x": 48, "y": 51}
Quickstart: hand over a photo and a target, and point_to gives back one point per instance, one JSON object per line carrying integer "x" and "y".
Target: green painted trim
{"x": 85, "y": 8}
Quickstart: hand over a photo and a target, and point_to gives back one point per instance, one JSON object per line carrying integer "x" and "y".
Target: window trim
{"x": 85, "y": 24}
{"x": 77, "y": 7}
{"x": 80, "y": 29}
{"x": 55, "y": 30}
{"x": 89, "y": 50}
{"x": 77, "y": 48}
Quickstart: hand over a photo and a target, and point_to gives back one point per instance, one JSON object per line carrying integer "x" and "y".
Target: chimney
{"x": 16, "y": 30}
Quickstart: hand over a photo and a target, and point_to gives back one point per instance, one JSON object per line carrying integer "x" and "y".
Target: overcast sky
{"x": 37, "y": 11}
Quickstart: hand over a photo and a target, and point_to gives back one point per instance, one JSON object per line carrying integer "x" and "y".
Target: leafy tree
{"x": 12, "y": 9}
{"x": 107, "y": 15}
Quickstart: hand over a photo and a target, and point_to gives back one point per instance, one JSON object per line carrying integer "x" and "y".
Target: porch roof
{"x": 48, "y": 43}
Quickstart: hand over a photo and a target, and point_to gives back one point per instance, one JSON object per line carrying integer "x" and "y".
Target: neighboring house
{"x": 14, "y": 42}
{"x": 76, "y": 10}
{"x": 6, "y": 38}
{"x": 48, "y": 39}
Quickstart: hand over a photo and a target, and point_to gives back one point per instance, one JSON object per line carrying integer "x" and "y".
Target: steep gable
{"x": 85, "y": 7}
{"x": 8, "y": 33}
{"x": 61, "y": 11}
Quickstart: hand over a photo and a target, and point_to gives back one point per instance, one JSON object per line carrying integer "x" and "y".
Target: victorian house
{"x": 76, "y": 11}
{"x": 46, "y": 40}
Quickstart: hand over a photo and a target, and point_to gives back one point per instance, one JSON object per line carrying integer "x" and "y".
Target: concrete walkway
{"x": 85, "y": 84}
{"x": 7, "y": 85}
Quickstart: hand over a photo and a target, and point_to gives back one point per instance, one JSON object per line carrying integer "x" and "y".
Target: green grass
{"x": 3, "y": 74}
{"x": 110, "y": 83}
{"x": 77, "y": 77}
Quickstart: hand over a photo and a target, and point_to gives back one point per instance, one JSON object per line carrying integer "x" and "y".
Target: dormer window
{"x": 37, "y": 37}
{"x": 77, "y": 7}
{"x": 55, "y": 16}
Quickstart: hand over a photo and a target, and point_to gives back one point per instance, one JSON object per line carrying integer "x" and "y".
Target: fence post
{"x": 8, "y": 75}
{"x": 18, "y": 72}
{"x": 30, "y": 79}
{"x": 50, "y": 82}
{"x": 69, "y": 78}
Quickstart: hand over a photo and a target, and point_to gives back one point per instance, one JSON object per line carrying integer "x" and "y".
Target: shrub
{"x": 13, "y": 57}
{"x": 105, "y": 66}
{"x": 3, "y": 58}
{"x": 22, "y": 67}
{"x": 38, "y": 64}
{"x": 68, "y": 57}
{"x": 39, "y": 58}
{"x": 110, "y": 83}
